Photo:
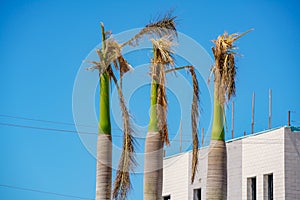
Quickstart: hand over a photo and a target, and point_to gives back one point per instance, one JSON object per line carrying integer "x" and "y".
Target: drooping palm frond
{"x": 123, "y": 66}
{"x": 194, "y": 116}
{"x": 162, "y": 105}
{"x": 163, "y": 59}
{"x": 162, "y": 27}
{"x": 127, "y": 161}
{"x": 224, "y": 69}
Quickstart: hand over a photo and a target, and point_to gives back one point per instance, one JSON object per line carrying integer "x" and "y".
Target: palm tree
{"x": 110, "y": 55}
{"x": 157, "y": 135}
{"x": 224, "y": 71}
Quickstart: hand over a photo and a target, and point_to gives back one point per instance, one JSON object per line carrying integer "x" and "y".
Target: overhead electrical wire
{"x": 62, "y": 123}
{"x": 65, "y": 130}
{"x": 44, "y": 192}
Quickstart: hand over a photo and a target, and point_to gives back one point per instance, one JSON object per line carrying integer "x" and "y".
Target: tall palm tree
{"x": 224, "y": 71}
{"x": 162, "y": 63}
{"x": 110, "y": 55}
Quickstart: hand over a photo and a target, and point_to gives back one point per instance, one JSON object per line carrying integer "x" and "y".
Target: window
{"x": 168, "y": 197}
{"x": 197, "y": 194}
{"x": 268, "y": 187}
{"x": 251, "y": 188}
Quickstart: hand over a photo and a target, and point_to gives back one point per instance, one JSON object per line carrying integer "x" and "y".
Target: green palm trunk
{"x": 104, "y": 145}
{"x": 104, "y": 121}
{"x": 153, "y": 113}
{"x": 153, "y": 165}
{"x": 218, "y": 120}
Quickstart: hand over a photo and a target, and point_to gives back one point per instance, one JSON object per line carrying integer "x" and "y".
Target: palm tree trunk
{"x": 104, "y": 156}
{"x": 153, "y": 165}
{"x": 104, "y": 145}
{"x": 153, "y": 170}
{"x": 216, "y": 186}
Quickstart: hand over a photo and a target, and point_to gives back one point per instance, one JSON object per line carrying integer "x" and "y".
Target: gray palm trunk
{"x": 103, "y": 171}
{"x": 216, "y": 187}
{"x": 153, "y": 166}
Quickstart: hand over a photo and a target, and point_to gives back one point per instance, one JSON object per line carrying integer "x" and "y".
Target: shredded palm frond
{"x": 127, "y": 161}
{"x": 195, "y": 118}
{"x": 162, "y": 105}
{"x": 162, "y": 27}
{"x": 224, "y": 69}
{"x": 162, "y": 60}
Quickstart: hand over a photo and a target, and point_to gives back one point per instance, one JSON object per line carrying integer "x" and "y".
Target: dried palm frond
{"x": 113, "y": 54}
{"x": 195, "y": 118}
{"x": 163, "y": 51}
{"x": 110, "y": 54}
{"x": 224, "y": 69}
{"x": 162, "y": 105}
{"x": 122, "y": 181}
{"x": 163, "y": 58}
{"x": 159, "y": 28}
{"x": 124, "y": 67}
{"x": 112, "y": 50}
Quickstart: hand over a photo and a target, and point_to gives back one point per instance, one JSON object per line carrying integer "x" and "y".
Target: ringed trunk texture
{"x": 104, "y": 157}
{"x": 216, "y": 187}
{"x": 153, "y": 166}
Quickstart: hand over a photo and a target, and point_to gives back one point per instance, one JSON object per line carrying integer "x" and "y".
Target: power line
{"x": 71, "y": 131}
{"x": 64, "y": 130}
{"x": 45, "y": 192}
{"x": 62, "y": 123}
{"x": 52, "y": 121}
{"x": 42, "y": 128}
{"x": 46, "y": 121}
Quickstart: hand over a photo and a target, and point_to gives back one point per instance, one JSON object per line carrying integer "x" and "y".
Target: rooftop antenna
{"x": 202, "y": 137}
{"x": 289, "y": 118}
{"x": 270, "y": 108}
{"x": 232, "y": 117}
{"x": 253, "y": 105}
{"x": 180, "y": 148}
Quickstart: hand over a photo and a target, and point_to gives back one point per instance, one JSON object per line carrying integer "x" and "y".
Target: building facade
{"x": 263, "y": 165}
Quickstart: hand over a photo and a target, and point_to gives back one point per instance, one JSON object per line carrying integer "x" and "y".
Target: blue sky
{"x": 43, "y": 44}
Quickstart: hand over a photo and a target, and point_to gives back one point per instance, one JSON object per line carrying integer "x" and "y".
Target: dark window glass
{"x": 197, "y": 194}
{"x": 167, "y": 197}
{"x": 270, "y": 187}
{"x": 253, "y": 188}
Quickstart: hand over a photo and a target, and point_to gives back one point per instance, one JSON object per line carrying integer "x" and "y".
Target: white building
{"x": 264, "y": 166}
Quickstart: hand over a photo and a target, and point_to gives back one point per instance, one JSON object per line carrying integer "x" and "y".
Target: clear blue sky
{"x": 43, "y": 44}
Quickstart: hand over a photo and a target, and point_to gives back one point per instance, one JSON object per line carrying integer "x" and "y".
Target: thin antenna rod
{"x": 202, "y": 137}
{"x": 289, "y": 118}
{"x": 270, "y": 108}
{"x": 253, "y": 105}
{"x": 232, "y": 117}
{"x": 180, "y": 148}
